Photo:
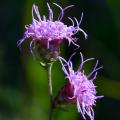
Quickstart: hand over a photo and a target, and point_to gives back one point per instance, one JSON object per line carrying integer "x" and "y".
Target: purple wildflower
{"x": 50, "y": 33}
{"x": 83, "y": 89}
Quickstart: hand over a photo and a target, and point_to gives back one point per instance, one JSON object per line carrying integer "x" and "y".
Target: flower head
{"x": 83, "y": 89}
{"x": 49, "y": 33}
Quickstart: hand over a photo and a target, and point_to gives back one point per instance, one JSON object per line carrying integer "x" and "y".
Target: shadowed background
{"x": 23, "y": 82}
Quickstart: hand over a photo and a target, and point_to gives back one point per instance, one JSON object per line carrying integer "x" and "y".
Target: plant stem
{"x": 49, "y": 68}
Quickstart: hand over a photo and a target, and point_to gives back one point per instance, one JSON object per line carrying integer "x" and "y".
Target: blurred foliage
{"x": 23, "y": 82}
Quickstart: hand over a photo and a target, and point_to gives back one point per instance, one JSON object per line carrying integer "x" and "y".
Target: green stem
{"x": 49, "y": 68}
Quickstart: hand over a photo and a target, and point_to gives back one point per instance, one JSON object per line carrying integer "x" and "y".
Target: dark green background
{"x": 23, "y": 82}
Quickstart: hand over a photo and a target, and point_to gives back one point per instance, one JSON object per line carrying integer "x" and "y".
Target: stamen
{"x": 71, "y": 21}
{"x": 62, "y": 12}
{"x": 50, "y": 13}
{"x": 35, "y": 8}
{"x": 95, "y": 69}
{"x": 81, "y": 65}
{"x": 81, "y": 19}
{"x": 31, "y": 49}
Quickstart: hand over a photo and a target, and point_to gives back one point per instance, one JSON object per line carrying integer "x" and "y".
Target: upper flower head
{"x": 47, "y": 31}
{"x": 84, "y": 90}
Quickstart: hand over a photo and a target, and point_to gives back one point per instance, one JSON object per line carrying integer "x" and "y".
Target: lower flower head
{"x": 84, "y": 91}
{"x": 50, "y": 33}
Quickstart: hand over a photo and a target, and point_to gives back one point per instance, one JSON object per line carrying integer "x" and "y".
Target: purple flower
{"x": 83, "y": 89}
{"x": 49, "y": 33}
